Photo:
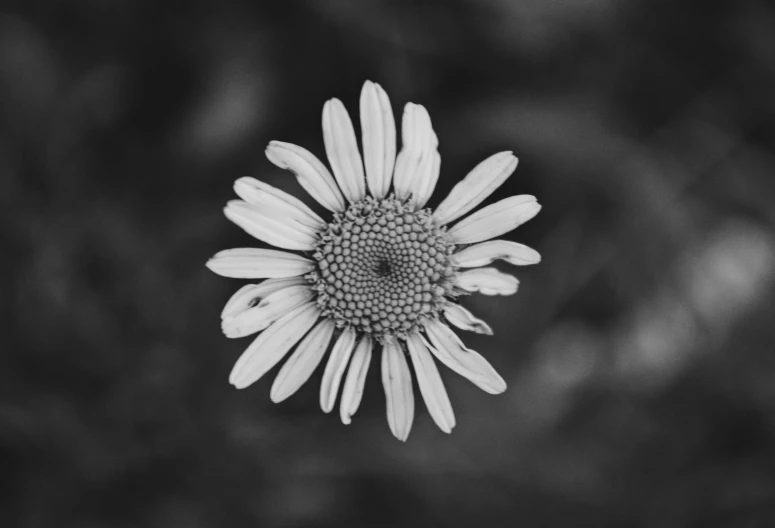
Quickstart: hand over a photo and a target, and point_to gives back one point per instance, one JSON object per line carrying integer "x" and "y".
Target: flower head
{"x": 383, "y": 272}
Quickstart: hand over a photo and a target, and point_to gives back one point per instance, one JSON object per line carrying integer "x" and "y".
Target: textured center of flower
{"x": 382, "y": 267}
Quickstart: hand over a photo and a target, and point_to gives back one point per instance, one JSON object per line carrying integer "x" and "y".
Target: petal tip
{"x": 500, "y": 386}
{"x": 401, "y": 436}
{"x": 508, "y": 154}
{"x": 211, "y": 265}
{"x": 334, "y": 101}
{"x": 243, "y": 180}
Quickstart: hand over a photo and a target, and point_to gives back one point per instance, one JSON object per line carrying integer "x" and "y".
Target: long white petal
{"x": 397, "y": 382}
{"x": 310, "y": 172}
{"x": 431, "y": 385}
{"x": 337, "y": 363}
{"x": 356, "y": 378}
{"x": 494, "y": 220}
{"x": 271, "y": 345}
{"x": 417, "y": 165}
{"x": 427, "y": 183}
{"x": 342, "y": 150}
{"x": 252, "y": 263}
{"x": 379, "y": 138}
{"x": 251, "y": 294}
{"x": 487, "y": 281}
{"x": 257, "y": 192}
{"x": 476, "y": 187}
{"x": 448, "y": 348}
{"x": 465, "y": 320}
{"x": 303, "y": 361}
{"x": 270, "y": 309}
{"x": 414, "y": 135}
{"x": 271, "y": 226}
{"x": 487, "y": 252}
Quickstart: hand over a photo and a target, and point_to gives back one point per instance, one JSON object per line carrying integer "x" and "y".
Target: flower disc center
{"x": 382, "y": 267}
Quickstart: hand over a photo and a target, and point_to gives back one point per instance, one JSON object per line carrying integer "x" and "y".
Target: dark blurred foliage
{"x": 639, "y": 353}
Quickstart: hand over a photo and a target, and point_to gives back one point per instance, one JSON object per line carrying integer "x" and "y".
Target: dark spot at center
{"x": 382, "y": 269}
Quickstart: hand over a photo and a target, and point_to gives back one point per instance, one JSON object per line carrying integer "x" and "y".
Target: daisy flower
{"x": 383, "y": 272}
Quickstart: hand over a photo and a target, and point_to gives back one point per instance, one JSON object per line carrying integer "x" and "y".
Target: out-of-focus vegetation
{"x": 639, "y": 353}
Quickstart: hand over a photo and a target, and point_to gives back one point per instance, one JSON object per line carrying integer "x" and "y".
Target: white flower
{"x": 383, "y": 271}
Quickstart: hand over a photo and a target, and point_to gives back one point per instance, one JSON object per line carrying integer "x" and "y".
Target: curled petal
{"x": 465, "y": 320}
{"x": 259, "y": 193}
{"x": 487, "y": 281}
{"x": 476, "y": 187}
{"x": 310, "y": 172}
{"x": 271, "y": 225}
{"x": 494, "y": 220}
{"x": 270, "y": 309}
{"x": 487, "y": 252}
{"x": 426, "y": 183}
{"x": 251, "y": 294}
{"x": 379, "y": 138}
{"x": 337, "y": 363}
{"x": 252, "y": 263}
{"x": 303, "y": 361}
{"x": 448, "y": 348}
{"x": 417, "y": 165}
{"x": 397, "y": 382}
{"x": 431, "y": 385}
{"x": 356, "y": 377}
{"x": 272, "y": 344}
{"x": 342, "y": 150}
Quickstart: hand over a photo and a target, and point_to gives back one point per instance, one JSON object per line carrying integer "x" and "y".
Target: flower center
{"x": 382, "y": 267}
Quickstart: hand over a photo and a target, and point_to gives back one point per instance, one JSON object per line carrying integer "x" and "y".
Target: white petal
{"x": 342, "y": 150}
{"x": 310, "y": 172}
{"x": 431, "y": 386}
{"x": 487, "y": 281}
{"x": 257, "y": 192}
{"x": 271, "y": 226}
{"x": 379, "y": 138}
{"x": 417, "y": 165}
{"x": 448, "y": 348}
{"x": 397, "y": 382}
{"x": 476, "y": 187}
{"x": 270, "y": 309}
{"x": 494, "y": 220}
{"x": 337, "y": 363}
{"x": 356, "y": 377}
{"x": 465, "y": 320}
{"x": 250, "y": 294}
{"x": 252, "y": 263}
{"x": 487, "y": 252}
{"x": 272, "y": 344}
{"x": 303, "y": 361}
{"x": 427, "y": 182}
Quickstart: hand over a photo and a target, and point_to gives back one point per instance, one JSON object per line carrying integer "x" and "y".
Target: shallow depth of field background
{"x": 639, "y": 354}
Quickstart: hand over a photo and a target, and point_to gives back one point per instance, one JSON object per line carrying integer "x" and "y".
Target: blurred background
{"x": 639, "y": 353}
